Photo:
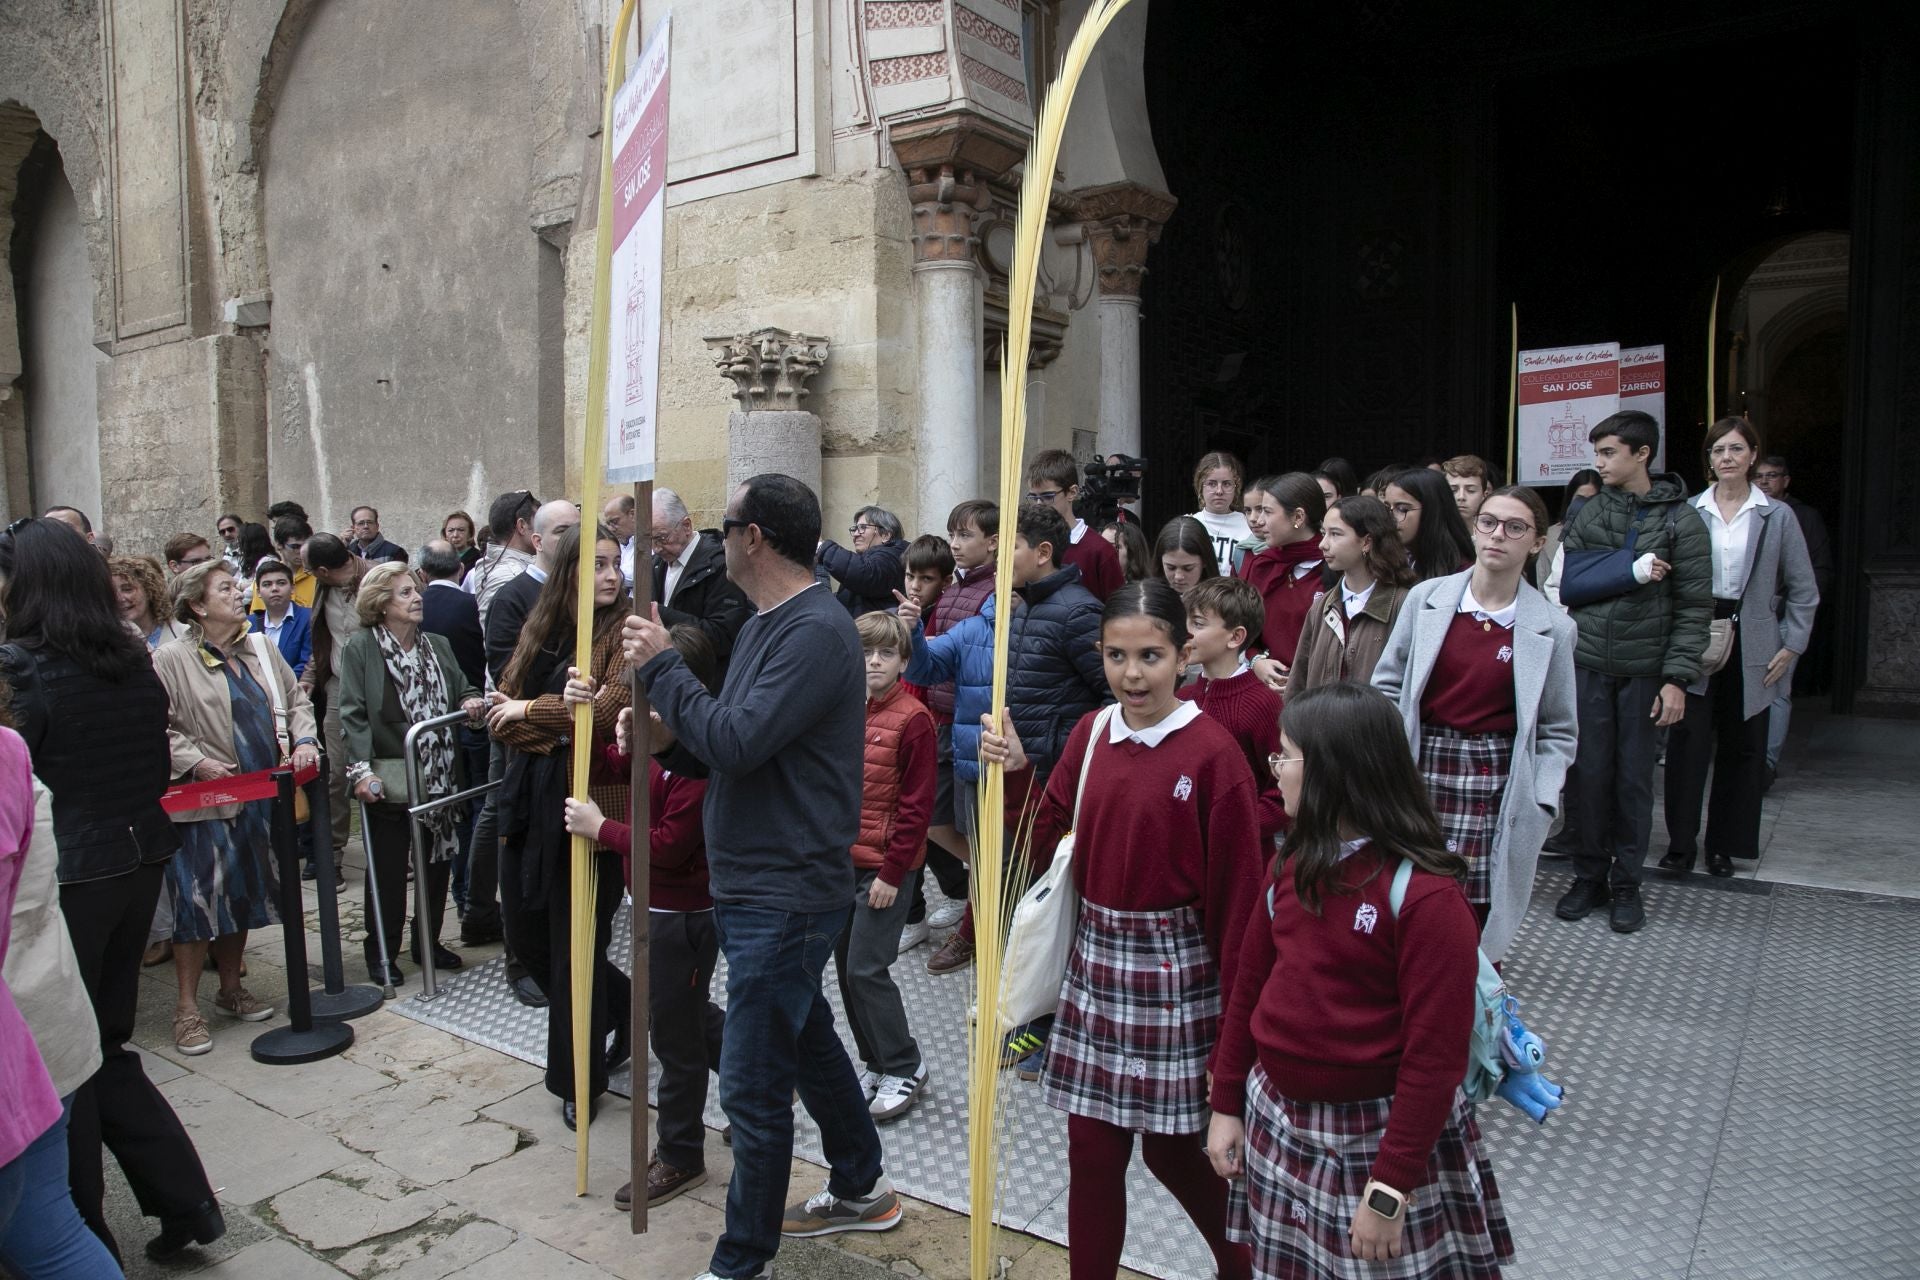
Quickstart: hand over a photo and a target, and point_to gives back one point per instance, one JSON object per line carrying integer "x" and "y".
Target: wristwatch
{"x": 1384, "y": 1200}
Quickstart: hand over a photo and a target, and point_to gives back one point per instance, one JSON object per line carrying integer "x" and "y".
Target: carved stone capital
{"x": 1123, "y": 219}
{"x": 946, "y": 204}
{"x": 950, "y": 161}
{"x": 769, "y": 367}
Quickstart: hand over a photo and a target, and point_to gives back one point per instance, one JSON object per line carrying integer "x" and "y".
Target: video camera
{"x": 1111, "y": 490}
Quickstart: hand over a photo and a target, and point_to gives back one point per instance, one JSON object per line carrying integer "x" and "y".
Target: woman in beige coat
{"x": 223, "y": 693}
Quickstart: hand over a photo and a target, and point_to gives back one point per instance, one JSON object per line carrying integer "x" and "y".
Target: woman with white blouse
{"x": 1763, "y": 586}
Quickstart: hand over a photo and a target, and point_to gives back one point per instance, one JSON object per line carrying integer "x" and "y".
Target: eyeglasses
{"x": 1044, "y": 495}
{"x": 854, "y": 530}
{"x": 190, "y": 561}
{"x": 729, "y": 523}
{"x": 1491, "y": 525}
{"x": 19, "y": 524}
{"x": 1769, "y": 475}
{"x": 1401, "y": 510}
{"x": 1276, "y": 762}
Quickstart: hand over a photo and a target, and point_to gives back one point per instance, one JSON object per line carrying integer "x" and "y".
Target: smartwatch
{"x": 1384, "y": 1200}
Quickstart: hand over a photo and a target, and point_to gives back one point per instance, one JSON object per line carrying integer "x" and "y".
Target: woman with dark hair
{"x": 531, "y": 717}
{"x": 1430, "y": 524}
{"x": 1350, "y": 622}
{"x": 1183, "y": 554}
{"x": 1481, "y": 666}
{"x": 1341, "y": 472}
{"x": 1287, "y": 573}
{"x": 1336, "y": 1087}
{"x": 1764, "y": 593}
{"x": 1129, "y": 542}
{"x": 256, "y": 544}
{"x": 94, "y": 717}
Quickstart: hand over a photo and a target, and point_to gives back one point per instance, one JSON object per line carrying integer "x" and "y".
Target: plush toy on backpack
{"x": 1524, "y": 1053}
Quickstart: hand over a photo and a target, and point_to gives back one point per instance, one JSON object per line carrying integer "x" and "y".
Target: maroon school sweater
{"x": 1099, "y": 564}
{"x": 1348, "y": 1004}
{"x": 1286, "y": 597}
{"x": 677, "y": 868}
{"x": 1471, "y": 687}
{"x": 1250, "y": 712}
{"x": 1166, "y": 826}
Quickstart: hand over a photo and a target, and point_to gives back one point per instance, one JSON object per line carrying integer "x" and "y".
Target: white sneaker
{"x": 869, "y": 1081}
{"x": 912, "y": 936}
{"x": 946, "y": 915}
{"x": 766, "y": 1273}
{"x": 895, "y": 1095}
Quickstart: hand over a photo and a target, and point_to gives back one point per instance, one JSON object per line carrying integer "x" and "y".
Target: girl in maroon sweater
{"x": 1336, "y": 1086}
{"x": 1288, "y": 573}
{"x": 1168, "y": 865}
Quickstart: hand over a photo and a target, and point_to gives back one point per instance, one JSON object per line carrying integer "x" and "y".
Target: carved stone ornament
{"x": 769, "y": 367}
{"x": 1122, "y": 220}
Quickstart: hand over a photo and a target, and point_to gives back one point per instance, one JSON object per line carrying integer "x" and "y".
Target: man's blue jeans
{"x": 41, "y": 1234}
{"x": 779, "y": 1036}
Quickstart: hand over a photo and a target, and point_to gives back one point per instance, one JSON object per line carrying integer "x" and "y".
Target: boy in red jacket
{"x": 896, "y": 806}
{"x": 682, "y": 946}
{"x": 1224, "y": 616}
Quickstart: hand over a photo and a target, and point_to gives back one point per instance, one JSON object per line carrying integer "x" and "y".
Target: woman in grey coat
{"x": 1764, "y": 589}
{"x": 1481, "y": 667}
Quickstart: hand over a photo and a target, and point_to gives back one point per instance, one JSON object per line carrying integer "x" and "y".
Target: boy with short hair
{"x": 1053, "y": 480}
{"x": 290, "y": 535}
{"x": 1471, "y": 480}
{"x": 973, "y": 533}
{"x": 930, "y": 564}
{"x": 287, "y": 624}
{"x": 896, "y": 806}
{"x": 1637, "y": 652}
{"x": 1224, "y": 617}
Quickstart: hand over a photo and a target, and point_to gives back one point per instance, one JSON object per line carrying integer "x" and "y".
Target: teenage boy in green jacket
{"x": 1637, "y": 653}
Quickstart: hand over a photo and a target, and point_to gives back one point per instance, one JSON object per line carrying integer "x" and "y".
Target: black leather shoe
{"x": 1627, "y": 915}
{"x": 1677, "y": 863}
{"x": 476, "y": 932}
{"x": 1578, "y": 902}
{"x": 570, "y": 1114}
{"x": 200, "y": 1225}
{"x": 1719, "y": 864}
{"x": 528, "y": 992}
{"x": 620, "y": 1050}
{"x": 391, "y": 978}
{"x": 442, "y": 958}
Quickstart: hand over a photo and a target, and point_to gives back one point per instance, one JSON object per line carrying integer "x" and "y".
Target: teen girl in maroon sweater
{"x": 1287, "y": 573}
{"x": 1336, "y": 1085}
{"x": 1167, "y": 859}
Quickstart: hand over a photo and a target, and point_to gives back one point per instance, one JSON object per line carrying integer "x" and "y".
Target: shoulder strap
{"x": 1100, "y": 722}
{"x": 1398, "y": 893}
{"x": 271, "y": 678}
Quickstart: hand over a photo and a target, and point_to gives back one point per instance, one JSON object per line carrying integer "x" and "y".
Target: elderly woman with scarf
{"x": 393, "y": 676}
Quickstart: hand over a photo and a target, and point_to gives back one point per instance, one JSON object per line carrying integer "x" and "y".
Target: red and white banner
{"x": 1643, "y": 386}
{"x": 639, "y": 224}
{"x": 1563, "y": 392}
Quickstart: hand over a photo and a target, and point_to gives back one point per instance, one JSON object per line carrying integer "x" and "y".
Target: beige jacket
{"x": 200, "y": 715}
{"x": 41, "y": 970}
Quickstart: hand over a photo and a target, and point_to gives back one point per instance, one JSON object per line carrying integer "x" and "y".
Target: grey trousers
{"x": 1613, "y": 772}
{"x": 339, "y": 808}
{"x": 863, "y": 956}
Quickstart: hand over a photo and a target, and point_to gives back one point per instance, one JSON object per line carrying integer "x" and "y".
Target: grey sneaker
{"x": 827, "y": 1214}
{"x": 241, "y": 1004}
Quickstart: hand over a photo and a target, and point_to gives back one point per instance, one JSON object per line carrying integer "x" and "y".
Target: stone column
{"x": 770, "y": 431}
{"x": 946, "y": 294}
{"x": 1122, "y": 220}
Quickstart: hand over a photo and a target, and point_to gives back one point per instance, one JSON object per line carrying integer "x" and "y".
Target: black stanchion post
{"x": 335, "y": 1001}
{"x": 303, "y": 1040}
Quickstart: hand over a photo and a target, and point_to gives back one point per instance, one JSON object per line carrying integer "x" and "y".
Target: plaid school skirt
{"x": 1466, "y": 777}
{"x": 1139, "y": 1013}
{"x": 1306, "y": 1165}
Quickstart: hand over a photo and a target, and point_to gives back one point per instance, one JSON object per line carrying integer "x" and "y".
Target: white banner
{"x": 639, "y": 225}
{"x": 1563, "y": 392}
{"x": 1643, "y": 386}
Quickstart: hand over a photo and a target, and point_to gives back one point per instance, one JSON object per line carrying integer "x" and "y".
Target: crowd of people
{"x": 1311, "y": 740}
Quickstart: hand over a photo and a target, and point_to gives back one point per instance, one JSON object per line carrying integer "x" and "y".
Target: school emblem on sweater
{"x": 1365, "y": 918}
{"x": 1183, "y": 788}
{"x": 1505, "y": 654}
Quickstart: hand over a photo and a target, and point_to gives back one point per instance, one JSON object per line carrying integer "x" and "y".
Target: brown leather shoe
{"x": 664, "y": 1182}
{"x": 955, "y": 953}
{"x": 159, "y": 953}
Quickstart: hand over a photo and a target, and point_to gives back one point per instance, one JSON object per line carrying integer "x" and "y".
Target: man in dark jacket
{"x": 368, "y": 544}
{"x": 874, "y": 569}
{"x": 1637, "y": 652}
{"x": 690, "y": 581}
{"x": 337, "y": 573}
{"x": 1773, "y": 477}
{"x": 449, "y": 612}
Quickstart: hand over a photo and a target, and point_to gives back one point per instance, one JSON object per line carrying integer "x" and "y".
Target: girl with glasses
{"x": 1429, "y": 522}
{"x": 1481, "y": 667}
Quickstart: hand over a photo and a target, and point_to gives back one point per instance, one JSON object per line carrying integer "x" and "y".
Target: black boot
{"x": 1580, "y": 900}
{"x": 200, "y": 1225}
{"x": 1678, "y": 863}
{"x": 1627, "y": 915}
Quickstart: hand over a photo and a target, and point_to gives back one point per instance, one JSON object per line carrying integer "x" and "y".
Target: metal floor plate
{"x": 1738, "y": 1079}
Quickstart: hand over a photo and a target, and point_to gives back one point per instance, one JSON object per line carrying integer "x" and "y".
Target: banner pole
{"x": 1713, "y": 350}
{"x": 1513, "y": 392}
{"x": 641, "y": 825}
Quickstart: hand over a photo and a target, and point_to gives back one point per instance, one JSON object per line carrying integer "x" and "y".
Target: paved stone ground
{"x": 418, "y": 1155}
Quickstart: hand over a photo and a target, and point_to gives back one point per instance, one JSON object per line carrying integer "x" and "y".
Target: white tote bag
{"x": 1044, "y": 922}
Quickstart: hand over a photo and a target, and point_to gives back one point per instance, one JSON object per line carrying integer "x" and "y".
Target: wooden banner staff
{"x": 1713, "y": 348}
{"x": 641, "y": 816}
{"x": 1513, "y": 394}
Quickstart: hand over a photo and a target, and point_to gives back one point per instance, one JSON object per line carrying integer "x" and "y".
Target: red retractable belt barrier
{"x": 235, "y": 789}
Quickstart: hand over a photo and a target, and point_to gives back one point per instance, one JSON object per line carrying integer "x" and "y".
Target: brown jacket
{"x": 1334, "y": 648}
{"x": 200, "y": 712}
{"x": 320, "y": 667}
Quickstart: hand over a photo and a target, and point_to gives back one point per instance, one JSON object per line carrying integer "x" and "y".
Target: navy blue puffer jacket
{"x": 1054, "y": 672}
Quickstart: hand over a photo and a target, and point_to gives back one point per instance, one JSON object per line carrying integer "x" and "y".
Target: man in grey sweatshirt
{"x": 781, "y": 745}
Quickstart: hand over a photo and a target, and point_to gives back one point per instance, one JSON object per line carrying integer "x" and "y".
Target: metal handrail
{"x": 429, "y": 980}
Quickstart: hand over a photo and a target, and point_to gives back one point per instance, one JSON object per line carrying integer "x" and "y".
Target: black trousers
{"x": 948, "y": 872}
{"x": 389, "y": 849}
{"x": 686, "y": 1029}
{"x": 552, "y": 968}
{"x": 1717, "y": 734}
{"x": 1613, "y": 772}
{"x": 119, "y": 1107}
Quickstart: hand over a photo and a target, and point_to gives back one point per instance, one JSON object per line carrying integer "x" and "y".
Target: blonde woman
{"x": 393, "y": 676}
{"x": 140, "y": 589}
{"x": 222, "y": 693}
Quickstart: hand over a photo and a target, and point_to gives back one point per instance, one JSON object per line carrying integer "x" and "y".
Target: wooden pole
{"x": 641, "y": 816}
{"x": 1513, "y": 394}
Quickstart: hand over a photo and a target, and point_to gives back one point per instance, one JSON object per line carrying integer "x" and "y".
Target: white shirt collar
{"x": 1355, "y": 601}
{"x": 685, "y": 557}
{"x": 1502, "y": 616}
{"x": 443, "y": 582}
{"x": 1755, "y": 498}
{"x": 1078, "y": 531}
{"x": 1182, "y": 715}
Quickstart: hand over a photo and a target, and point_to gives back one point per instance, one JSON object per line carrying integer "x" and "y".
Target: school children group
{"x": 1250, "y": 727}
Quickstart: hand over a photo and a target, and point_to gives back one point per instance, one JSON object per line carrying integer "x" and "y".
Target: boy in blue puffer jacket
{"x": 1054, "y": 676}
